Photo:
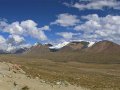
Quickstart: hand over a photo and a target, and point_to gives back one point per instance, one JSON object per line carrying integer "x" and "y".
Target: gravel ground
{"x": 12, "y": 77}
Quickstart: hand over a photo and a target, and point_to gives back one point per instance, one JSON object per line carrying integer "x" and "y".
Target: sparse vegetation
{"x": 25, "y": 88}
{"x": 91, "y": 74}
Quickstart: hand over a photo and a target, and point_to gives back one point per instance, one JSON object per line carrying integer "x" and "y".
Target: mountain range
{"x": 86, "y": 46}
{"x": 83, "y": 46}
{"x": 81, "y": 51}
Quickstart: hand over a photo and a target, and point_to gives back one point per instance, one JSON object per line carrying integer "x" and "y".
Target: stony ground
{"x": 12, "y": 77}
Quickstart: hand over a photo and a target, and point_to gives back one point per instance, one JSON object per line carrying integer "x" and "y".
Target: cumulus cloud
{"x": 17, "y": 31}
{"x": 66, "y": 20}
{"x": 28, "y": 24}
{"x": 68, "y": 35}
{"x": 100, "y": 27}
{"x": 95, "y": 4}
{"x": 12, "y": 43}
{"x": 23, "y": 28}
{"x": 15, "y": 40}
{"x": 30, "y": 28}
{"x": 2, "y": 39}
{"x": 3, "y": 24}
{"x": 13, "y": 28}
{"x": 12, "y": 48}
{"x": 45, "y": 28}
{"x": 37, "y": 34}
{"x": 3, "y": 44}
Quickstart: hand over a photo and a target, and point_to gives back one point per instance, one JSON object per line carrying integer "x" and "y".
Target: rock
{"x": 58, "y": 83}
{"x": 15, "y": 84}
{"x": 37, "y": 78}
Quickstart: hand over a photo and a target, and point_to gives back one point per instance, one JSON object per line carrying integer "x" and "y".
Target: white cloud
{"x": 15, "y": 40}
{"x": 17, "y": 31}
{"x": 23, "y": 28}
{"x": 2, "y": 39}
{"x": 96, "y": 4}
{"x": 12, "y": 43}
{"x": 3, "y": 44}
{"x": 14, "y": 28}
{"x": 100, "y": 27}
{"x": 66, "y": 20}
{"x": 30, "y": 28}
{"x": 3, "y": 24}
{"x": 25, "y": 45}
{"x": 28, "y": 24}
{"x": 38, "y": 34}
{"x": 45, "y": 28}
{"x": 11, "y": 48}
{"x": 90, "y": 26}
{"x": 67, "y": 35}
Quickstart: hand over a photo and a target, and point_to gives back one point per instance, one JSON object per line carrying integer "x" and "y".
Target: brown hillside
{"x": 101, "y": 52}
{"x": 75, "y": 46}
{"x": 39, "y": 49}
{"x": 104, "y": 47}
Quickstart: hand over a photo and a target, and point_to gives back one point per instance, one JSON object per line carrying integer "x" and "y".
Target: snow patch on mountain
{"x": 91, "y": 44}
{"x": 60, "y": 45}
{"x": 36, "y": 44}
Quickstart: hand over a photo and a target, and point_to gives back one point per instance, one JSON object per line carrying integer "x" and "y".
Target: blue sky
{"x": 24, "y": 22}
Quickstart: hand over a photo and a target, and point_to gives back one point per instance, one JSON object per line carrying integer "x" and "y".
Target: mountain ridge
{"x": 86, "y": 46}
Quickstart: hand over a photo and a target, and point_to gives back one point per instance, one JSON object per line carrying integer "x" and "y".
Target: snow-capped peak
{"x": 59, "y": 45}
{"x": 36, "y": 44}
{"x": 91, "y": 44}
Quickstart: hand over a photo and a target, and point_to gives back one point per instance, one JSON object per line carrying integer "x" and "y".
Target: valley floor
{"x": 56, "y": 75}
{"x": 12, "y": 78}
